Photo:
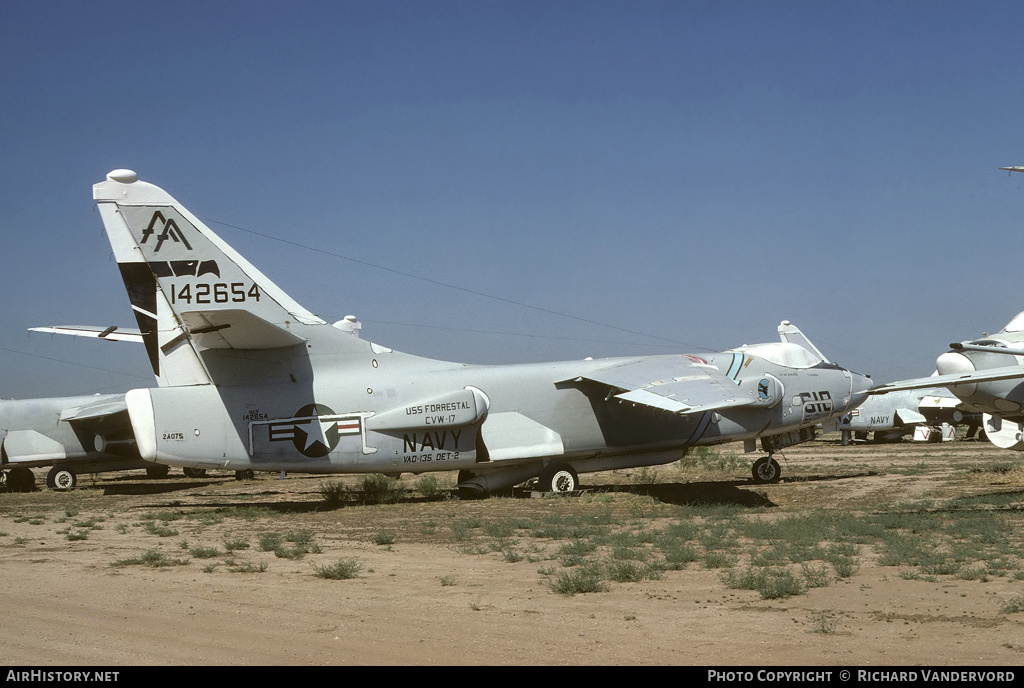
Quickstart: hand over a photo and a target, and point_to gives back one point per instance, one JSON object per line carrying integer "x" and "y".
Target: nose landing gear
{"x": 767, "y": 470}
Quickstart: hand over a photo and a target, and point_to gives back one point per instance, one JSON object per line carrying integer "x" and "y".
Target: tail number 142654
{"x": 219, "y": 292}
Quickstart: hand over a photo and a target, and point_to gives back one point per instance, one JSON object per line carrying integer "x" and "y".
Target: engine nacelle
{"x": 185, "y": 426}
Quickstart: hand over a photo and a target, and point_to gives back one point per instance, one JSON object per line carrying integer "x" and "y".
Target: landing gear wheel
{"x": 767, "y": 470}
{"x": 61, "y": 478}
{"x": 194, "y": 472}
{"x": 157, "y": 471}
{"x": 469, "y": 490}
{"x": 245, "y": 475}
{"x": 20, "y": 479}
{"x": 559, "y": 478}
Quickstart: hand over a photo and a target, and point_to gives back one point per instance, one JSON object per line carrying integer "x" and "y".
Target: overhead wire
{"x": 456, "y": 287}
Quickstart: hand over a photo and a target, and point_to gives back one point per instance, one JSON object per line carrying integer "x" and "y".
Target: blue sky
{"x": 688, "y": 174}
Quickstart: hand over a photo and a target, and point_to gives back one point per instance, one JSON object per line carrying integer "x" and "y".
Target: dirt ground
{"x": 130, "y": 571}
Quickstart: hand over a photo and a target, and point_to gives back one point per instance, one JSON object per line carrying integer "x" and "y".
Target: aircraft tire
{"x": 194, "y": 472}
{"x": 157, "y": 471}
{"x": 766, "y": 470}
{"x": 560, "y": 478}
{"x": 245, "y": 475}
{"x": 887, "y": 436}
{"x": 20, "y": 479}
{"x": 61, "y": 478}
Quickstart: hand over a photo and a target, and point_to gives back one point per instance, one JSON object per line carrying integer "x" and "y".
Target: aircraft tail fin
{"x": 190, "y": 290}
{"x": 790, "y": 333}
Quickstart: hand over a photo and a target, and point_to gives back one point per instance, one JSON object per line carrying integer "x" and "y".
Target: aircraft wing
{"x": 952, "y": 380}
{"x": 694, "y": 388}
{"x": 111, "y": 334}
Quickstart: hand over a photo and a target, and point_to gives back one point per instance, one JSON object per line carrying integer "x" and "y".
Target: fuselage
{"x": 373, "y": 409}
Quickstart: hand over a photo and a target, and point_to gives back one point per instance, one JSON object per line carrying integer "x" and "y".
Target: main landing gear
{"x": 61, "y": 478}
{"x": 560, "y": 478}
{"x": 19, "y": 479}
{"x": 767, "y": 470}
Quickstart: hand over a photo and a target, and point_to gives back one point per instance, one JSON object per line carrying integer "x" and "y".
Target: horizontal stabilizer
{"x": 111, "y": 333}
{"x": 235, "y": 329}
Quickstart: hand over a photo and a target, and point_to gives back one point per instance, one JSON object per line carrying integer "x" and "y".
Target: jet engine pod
{"x": 452, "y": 409}
{"x": 1005, "y": 434}
{"x": 122, "y": 444}
{"x": 955, "y": 363}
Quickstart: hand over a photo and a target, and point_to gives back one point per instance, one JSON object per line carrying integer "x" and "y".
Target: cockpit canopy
{"x": 781, "y": 353}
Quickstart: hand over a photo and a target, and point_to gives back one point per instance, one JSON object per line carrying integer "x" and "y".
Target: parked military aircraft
{"x": 249, "y": 379}
{"x": 86, "y": 434}
{"x": 930, "y": 414}
{"x": 987, "y": 375}
{"x": 72, "y": 435}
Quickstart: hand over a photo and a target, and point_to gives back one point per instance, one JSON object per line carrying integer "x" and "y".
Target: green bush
{"x": 343, "y": 569}
{"x": 377, "y": 488}
{"x": 430, "y": 487}
{"x": 583, "y": 579}
{"x": 334, "y": 492}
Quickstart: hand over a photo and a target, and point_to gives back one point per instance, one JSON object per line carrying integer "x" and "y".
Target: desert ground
{"x": 888, "y": 554}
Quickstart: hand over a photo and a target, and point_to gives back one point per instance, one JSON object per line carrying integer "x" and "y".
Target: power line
{"x": 80, "y": 365}
{"x": 448, "y": 285}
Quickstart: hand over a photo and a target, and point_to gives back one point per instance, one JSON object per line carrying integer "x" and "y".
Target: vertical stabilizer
{"x": 189, "y": 290}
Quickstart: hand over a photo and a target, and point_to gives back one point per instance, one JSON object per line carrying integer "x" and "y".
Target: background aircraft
{"x": 249, "y": 379}
{"x": 87, "y": 434}
{"x": 983, "y": 378}
{"x": 928, "y": 414}
{"x": 72, "y": 435}
{"x": 986, "y": 375}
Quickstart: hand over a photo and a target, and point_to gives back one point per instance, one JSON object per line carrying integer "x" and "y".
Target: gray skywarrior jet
{"x": 986, "y": 374}
{"x": 85, "y": 434}
{"x": 249, "y": 379}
